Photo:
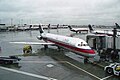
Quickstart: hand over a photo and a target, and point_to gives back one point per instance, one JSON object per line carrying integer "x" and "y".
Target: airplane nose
{"x": 39, "y": 37}
{"x": 91, "y": 51}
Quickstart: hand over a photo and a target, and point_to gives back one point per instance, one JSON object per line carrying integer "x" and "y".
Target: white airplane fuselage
{"x": 76, "y": 45}
{"x": 78, "y": 29}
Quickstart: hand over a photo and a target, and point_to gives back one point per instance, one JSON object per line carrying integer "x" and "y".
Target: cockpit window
{"x": 79, "y": 45}
{"x": 82, "y": 44}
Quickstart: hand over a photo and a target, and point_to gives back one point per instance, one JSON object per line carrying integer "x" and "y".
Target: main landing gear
{"x": 59, "y": 48}
{"x": 45, "y": 46}
{"x": 86, "y": 60}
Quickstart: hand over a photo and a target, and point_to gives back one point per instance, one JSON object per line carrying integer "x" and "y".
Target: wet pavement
{"x": 50, "y": 64}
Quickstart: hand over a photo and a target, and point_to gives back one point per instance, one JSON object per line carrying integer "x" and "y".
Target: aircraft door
{"x": 94, "y": 43}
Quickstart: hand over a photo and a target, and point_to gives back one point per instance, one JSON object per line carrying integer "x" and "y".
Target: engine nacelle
{"x": 39, "y": 37}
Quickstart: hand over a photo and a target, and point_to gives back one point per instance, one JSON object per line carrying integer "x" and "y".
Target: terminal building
{"x": 3, "y": 27}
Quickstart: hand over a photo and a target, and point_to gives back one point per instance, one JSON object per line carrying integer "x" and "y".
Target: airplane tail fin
{"x": 41, "y": 29}
{"x": 90, "y": 28}
{"x": 57, "y": 26}
{"x": 48, "y": 26}
{"x": 70, "y": 27}
{"x": 117, "y": 26}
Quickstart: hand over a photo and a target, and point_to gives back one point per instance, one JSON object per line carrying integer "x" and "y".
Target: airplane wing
{"x": 32, "y": 43}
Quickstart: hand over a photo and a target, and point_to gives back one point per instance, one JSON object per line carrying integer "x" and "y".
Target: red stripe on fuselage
{"x": 87, "y": 51}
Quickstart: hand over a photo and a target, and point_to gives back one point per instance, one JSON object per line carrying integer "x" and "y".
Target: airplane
{"x": 77, "y": 29}
{"x": 117, "y": 26}
{"x": 76, "y": 45}
{"x": 105, "y": 32}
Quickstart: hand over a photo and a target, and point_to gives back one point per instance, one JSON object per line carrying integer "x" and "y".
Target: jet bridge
{"x": 102, "y": 41}
{"x": 96, "y": 41}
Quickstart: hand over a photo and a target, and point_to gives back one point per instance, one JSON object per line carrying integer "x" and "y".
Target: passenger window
{"x": 81, "y": 43}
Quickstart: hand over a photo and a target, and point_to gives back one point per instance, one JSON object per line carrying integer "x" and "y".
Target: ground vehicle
{"x": 9, "y": 60}
{"x": 113, "y": 68}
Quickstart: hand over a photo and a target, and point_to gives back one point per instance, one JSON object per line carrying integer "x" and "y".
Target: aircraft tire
{"x": 109, "y": 70}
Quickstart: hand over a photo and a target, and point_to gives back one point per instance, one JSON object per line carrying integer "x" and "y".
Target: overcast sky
{"x": 102, "y": 12}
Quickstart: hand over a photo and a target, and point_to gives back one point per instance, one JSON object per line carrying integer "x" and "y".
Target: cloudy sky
{"x": 102, "y": 12}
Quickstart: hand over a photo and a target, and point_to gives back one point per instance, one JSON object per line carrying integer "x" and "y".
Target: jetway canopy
{"x": 102, "y": 41}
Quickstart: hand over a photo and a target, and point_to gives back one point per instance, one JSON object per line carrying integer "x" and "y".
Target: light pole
{"x": 11, "y": 22}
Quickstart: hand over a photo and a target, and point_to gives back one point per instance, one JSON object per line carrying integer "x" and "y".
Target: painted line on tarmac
{"x": 28, "y": 74}
{"x": 42, "y": 62}
{"x": 69, "y": 64}
{"x": 83, "y": 70}
{"x": 106, "y": 77}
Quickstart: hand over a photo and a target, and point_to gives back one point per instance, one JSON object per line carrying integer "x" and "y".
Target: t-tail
{"x": 117, "y": 26}
{"x": 70, "y": 27}
{"x": 90, "y": 28}
{"x": 48, "y": 26}
{"x": 40, "y": 29}
{"x": 57, "y": 26}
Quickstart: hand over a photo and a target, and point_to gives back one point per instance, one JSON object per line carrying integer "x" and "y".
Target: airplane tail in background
{"x": 90, "y": 28}
{"x": 70, "y": 27}
{"x": 41, "y": 29}
{"x": 57, "y": 26}
{"x": 117, "y": 26}
{"x": 48, "y": 26}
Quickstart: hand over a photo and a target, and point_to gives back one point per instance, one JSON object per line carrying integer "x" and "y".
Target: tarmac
{"x": 51, "y": 64}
